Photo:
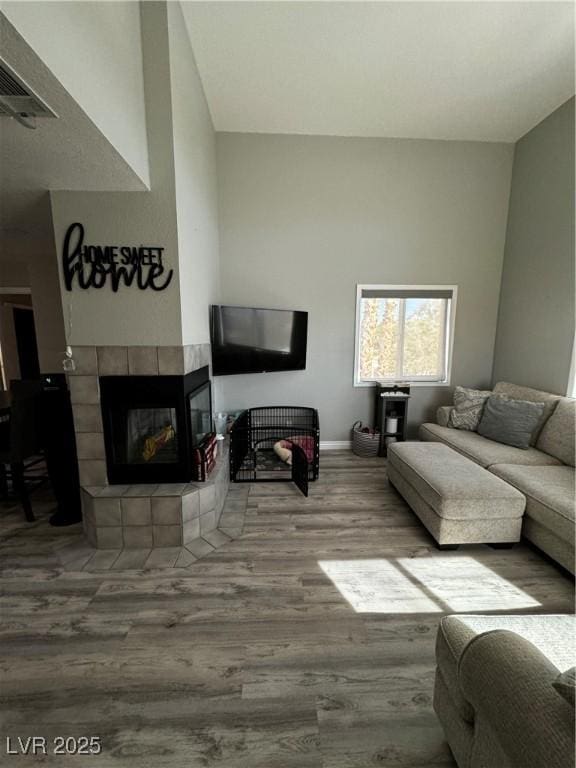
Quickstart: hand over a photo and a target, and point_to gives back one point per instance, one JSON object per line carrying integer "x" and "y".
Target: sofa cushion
{"x": 552, "y": 635}
{"x": 468, "y": 408}
{"x": 558, "y": 436}
{"x": 455, "y": 487}
{"x": 549, "y": 492}
{"x": 517, "y": 392}
{"x": 511, "y": 422}
{"x": 443, "y": 415}
{"x": 483, "y": 451}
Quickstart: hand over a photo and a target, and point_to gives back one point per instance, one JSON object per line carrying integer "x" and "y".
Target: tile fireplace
{"x": 152, "y": 424}
{"x": 138, "y": 414}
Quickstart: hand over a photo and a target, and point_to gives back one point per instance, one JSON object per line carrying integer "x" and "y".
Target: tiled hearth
{"x": 144, "y": 516}
{"x": 147, "y": 515}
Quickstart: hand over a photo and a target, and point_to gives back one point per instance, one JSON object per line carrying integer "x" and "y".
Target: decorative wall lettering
{"x": 95, "y": 265}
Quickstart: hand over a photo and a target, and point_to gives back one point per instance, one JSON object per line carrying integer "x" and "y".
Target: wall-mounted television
{"x": 253, "y": 340}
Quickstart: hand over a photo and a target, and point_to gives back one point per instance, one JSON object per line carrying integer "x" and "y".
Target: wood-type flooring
{"x": 305, "y": 642}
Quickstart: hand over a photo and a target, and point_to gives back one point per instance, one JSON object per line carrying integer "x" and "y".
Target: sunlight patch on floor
{"x": 464, "y": 584}
{"x": 377, "y": 586}
{"x": 423, "y": 585}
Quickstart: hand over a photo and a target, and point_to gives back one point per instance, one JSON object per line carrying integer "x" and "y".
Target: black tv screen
{"x": 251, "y": 340}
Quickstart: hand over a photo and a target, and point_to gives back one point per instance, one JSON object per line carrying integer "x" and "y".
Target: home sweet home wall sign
{"x": 95, "y": 266}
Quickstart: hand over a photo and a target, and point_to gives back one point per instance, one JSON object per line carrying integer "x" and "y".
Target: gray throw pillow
{"x": 468, "y": 407}
{"x": 510, "y": 421}
{"x": 565, "y": 684}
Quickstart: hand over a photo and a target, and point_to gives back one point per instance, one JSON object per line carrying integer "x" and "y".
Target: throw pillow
{"x": 468, "y": 407}
{"x": 510, "y": 421}
{"x": 565, "y": 684}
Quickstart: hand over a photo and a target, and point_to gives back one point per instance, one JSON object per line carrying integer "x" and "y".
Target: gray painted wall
{"x": 131, "y": 316}
{"x": 304, "y": 219}
{"x": 195, "y": 180}
{"x": 13, "y": 274}
{"x": 536, "y": 320}
{"x": 179, "y": 212}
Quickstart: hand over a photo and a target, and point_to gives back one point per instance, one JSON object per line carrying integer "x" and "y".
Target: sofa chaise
{"x": 544, "y": 473}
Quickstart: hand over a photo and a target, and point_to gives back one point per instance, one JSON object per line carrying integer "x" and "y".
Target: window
{"x": 404, "y": 333}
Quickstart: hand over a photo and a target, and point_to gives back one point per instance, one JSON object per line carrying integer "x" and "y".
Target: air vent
{"x": 17, "y": 97}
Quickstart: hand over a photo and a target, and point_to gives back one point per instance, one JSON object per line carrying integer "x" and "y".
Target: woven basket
{"x": 364, "y": 444}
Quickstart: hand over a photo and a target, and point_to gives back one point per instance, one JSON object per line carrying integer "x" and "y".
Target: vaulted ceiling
{"x": 485, "y": 71}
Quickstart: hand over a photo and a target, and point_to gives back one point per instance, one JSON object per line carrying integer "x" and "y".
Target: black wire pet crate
{"x": 252, "y": 439}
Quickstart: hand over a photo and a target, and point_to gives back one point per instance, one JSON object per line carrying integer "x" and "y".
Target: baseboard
{"x": 334, "y": 445}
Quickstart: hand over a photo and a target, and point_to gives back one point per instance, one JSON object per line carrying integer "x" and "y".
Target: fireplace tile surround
{"x": 144, "y": 515}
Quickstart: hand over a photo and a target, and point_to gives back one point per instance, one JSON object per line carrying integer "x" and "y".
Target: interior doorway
{"x": 18, "y": 345}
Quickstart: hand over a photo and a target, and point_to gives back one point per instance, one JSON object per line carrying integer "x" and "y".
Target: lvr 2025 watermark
{"x": 58, "y": 745}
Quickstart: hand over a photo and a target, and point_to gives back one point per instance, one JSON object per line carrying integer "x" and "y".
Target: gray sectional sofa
{"x": 543, "y": 473}
{"x": 494, "y": 692}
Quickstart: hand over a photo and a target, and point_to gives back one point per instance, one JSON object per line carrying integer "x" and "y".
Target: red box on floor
{"x": 204, "y": 457}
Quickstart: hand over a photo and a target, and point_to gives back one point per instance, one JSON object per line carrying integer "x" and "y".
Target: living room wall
{"x": 179, "y": 212}
{"x": 195, "y": 182}
{"x": 304, "y": 219}
{"x": 536, "y": 320}
{"x": 131, "y": 316}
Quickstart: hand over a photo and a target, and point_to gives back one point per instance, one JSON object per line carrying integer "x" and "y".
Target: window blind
{"x": 407, "y": 293}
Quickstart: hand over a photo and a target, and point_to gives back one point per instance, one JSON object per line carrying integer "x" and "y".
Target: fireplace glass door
{"x": 152, "y": 424}
{"x": 200, "y": 408}
{"x": 151, "y": 436}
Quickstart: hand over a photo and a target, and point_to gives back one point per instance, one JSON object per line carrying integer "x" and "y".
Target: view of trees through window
{"x": 402, "y": 338}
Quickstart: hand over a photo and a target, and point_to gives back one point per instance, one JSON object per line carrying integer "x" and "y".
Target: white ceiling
{"x": 485, "y": 71}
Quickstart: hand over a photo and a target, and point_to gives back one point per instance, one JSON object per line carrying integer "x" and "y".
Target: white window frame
{"x": 415, "y": 381}
{"x": 572, "y": 374}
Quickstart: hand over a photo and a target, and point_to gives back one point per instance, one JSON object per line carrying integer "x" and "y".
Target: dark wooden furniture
{"x": 5, "y": 404}
{"x": 20, "y": 448}
{"x": 391, "y": 400}
{"x": 59, "y": 446}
